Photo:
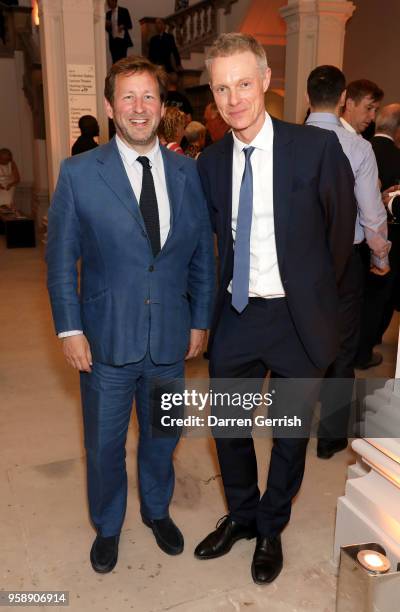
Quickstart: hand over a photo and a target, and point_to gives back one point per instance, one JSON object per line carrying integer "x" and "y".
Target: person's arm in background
{"x": 372, "y": 213}
{"x": 15, "y": 176}
{"x": 175, "y": 53}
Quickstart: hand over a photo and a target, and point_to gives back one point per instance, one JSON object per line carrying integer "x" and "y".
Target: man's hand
{"x": 196, "y": 343}
{"x": 77, "y": 352}
{"x": 379, "y": 271}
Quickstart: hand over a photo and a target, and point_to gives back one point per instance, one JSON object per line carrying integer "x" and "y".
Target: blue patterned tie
{"x": 241, "y": 260}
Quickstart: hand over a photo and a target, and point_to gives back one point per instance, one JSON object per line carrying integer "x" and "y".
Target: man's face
{"x": 238, "y": 87}
{"x": 361, "y": 114}
{"x": 160, "y": 26}
{"x": 112, "y": 4}
{"x": 136, "y": 110}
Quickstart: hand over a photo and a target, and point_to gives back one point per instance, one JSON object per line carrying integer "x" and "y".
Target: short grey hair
{"x": 194, "y": 130}
{"x": 388, "y": 119}
{"x": 236, "y": 42}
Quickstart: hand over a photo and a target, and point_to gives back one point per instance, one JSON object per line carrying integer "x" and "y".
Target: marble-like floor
{"x": 44, "y": 529}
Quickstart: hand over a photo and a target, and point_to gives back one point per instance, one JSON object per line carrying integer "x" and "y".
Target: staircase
{"x": 194, "y": 28}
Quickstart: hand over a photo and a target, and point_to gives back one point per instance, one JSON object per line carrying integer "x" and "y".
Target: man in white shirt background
{"x": 118, "y": 24}
{"x": 361, "y": 105}
{"x": 326, "y": 89}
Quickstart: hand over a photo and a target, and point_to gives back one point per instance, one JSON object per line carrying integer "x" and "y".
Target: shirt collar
{"x": 263, "y": 140}
{"x": 384, "y": 136}
{"x": 326, "y": 117}
{"x": 347, "y": 125}
{"x": 129, "y": 155}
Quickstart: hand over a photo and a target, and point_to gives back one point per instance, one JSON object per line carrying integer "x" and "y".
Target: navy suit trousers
{"x": 247, "y": 346}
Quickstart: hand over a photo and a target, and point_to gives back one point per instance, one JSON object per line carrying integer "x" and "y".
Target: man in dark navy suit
{"x": 281, "y": 198}
{"x": 163, "y": 50}
{"x": 118, "y": 24}
{"x": 135, "y": 216}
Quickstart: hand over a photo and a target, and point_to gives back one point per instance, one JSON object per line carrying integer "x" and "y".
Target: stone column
{"x": 73, "y": 60}
{"x": 315, "y": 36}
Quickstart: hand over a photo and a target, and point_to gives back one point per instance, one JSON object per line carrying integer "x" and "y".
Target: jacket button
{"x": 151, "y": 268}
{"x": 147, "y": 301}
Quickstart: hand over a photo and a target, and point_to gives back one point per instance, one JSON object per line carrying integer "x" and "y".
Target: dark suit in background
{"x": 388, "y": 159}
{"x": 119, "y": 46}
{"x": 163, "y": 51}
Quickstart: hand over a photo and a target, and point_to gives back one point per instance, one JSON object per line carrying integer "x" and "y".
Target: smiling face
{"x": 136, "y": 110}
{"x": 238, "y": 86}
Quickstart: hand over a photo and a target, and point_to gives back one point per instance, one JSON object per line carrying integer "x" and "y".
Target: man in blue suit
{"x": 134, "y": 214}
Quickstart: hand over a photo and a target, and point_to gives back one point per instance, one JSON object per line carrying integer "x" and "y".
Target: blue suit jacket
{"x": 314, "y": 216}
{"x": 128, "y": 301}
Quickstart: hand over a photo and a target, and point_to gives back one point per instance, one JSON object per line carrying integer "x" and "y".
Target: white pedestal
{"x": 369, "y": 511}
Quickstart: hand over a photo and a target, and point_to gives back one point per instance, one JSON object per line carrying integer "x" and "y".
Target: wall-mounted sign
{"x": 81, "y": 82}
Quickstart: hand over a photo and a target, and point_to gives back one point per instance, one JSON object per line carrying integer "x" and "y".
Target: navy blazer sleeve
{"x": 336, "y": 189}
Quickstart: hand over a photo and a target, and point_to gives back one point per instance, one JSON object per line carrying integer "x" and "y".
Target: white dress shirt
{"x": 134, "y": 171}
{"x": 347, "y": 125}
{"x": 265, "y": 280}
{"x": 115, "y": 33}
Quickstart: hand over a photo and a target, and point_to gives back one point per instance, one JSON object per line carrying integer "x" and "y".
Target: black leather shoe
{"x": 220, "y": 541}
{"x": 327, "y": 447}
{"x": 267, "y": 560}
{"x": 376, "y": 359}
{"x": 167, "y": 534}
{"x": 104, "y": 554}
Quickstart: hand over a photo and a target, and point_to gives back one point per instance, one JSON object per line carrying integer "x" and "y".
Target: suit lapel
{"x": 283, "y": 164}
{"x": 112, "y": 171}
{"x": 224, "y": 186}
{"x": 175, "y": 179}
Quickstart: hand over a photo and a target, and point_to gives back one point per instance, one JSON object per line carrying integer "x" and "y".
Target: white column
{"x": 315, "y": 36}
{"x": 72, "y": 39}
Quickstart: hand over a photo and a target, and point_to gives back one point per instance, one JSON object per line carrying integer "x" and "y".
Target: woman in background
{"x": 172, "y": 128}
{"x": 9, "y": 177}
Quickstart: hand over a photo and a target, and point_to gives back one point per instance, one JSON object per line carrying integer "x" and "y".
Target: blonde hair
{"x": 235, "y": 42}
{"x": 171, "y": 122}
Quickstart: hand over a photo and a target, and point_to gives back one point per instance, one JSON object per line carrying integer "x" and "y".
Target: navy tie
{"x": 149, "y": 207}
{"x": 241, "y": 260}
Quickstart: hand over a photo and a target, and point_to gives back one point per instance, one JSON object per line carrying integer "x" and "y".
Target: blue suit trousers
{"x": 107, "y": 397}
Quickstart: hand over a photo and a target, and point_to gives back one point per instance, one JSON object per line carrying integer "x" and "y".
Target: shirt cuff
{"x": 379, "y": 262}
{"x": 73, "y": 332}
{"x": 395, "y": 194}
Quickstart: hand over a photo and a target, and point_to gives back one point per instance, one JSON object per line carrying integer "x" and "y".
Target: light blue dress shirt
{"x": 371, "y": 221}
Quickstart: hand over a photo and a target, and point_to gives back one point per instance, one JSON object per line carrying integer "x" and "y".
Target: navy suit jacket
{"x": 128, "y": 301}
{"x": 314, "y": 216}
